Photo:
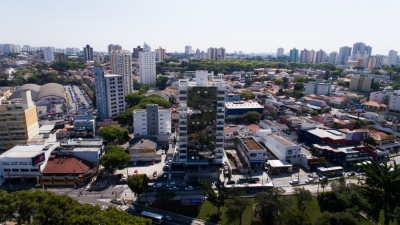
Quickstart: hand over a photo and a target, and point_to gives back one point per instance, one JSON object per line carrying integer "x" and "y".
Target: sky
{"x": 251, "y": 26}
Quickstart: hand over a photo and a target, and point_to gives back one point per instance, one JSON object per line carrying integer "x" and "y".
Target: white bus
{"x": 156, "y": 218}
{"x": 331, "y": 171}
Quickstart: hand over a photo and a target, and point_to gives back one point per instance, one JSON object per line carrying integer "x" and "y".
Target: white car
{"x": 189, "y": 188}
{"x": 123, "y": 177}
{"x": 294, "y": 182}
{"x": 309, "y": 180}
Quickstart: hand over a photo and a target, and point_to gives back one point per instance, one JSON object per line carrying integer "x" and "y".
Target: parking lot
{"x": 79, "y": 101}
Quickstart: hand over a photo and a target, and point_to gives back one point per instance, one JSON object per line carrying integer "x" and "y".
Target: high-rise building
{"x": 19, "y": 122}
{"x": 160, "y": 54}
{"x": 121, "y": 64}
{"x": 344, "y": 54}
{"x": 62, "y": 58}
{"x": 221, "y": 53}
{"x": 304, "y": 56}
{"x": 392, "y": 58}
{"x": 110, "y": 98}
{"x": 26, "y": 48}
{"x": 152, "y": 121}
{"x": 48, "y": 55}
{"x": 361, "y": 48}
{"x": 88, "y": 53}
{"x": 333, "y": 58}
{"x": 211, "y": 53}
{"x": 373, "y": 61}
{"x": 312, "y": 56}
{"x": 147, "y": 66}
{"x": 320, "y": 57}
{"x": 279, "y": 52}
{"x": 201, "y": 120}
{"x": 112, "y": 47}
{"x": 294, "y": 55}
{"x": 72, "y": 51}
{"x": 188, "y": 50}
{"x": 136, "y": 51}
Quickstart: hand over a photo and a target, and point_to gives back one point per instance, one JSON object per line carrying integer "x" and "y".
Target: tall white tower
{"x": 147, "y": 66}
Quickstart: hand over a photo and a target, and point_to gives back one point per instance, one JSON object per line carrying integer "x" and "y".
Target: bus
{"x": 330, "y": 171}
{"x": 156, "y": 218}
{"x": 249, "y": 188}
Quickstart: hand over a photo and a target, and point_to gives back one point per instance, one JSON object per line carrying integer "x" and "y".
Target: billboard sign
{"x": 38, "y": 159}
{"x": 191, "y": 201}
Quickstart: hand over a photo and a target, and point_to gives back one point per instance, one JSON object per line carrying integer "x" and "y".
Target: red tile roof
{"x": 254, "y": 128}
{"x": 66, "y": 166}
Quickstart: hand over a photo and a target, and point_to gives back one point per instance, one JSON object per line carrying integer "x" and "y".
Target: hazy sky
{"x": 247, "y": 25}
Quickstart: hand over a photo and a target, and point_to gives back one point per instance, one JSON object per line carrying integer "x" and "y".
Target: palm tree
{"x": 324, "y": 182}
{"x": 381, "y": 186}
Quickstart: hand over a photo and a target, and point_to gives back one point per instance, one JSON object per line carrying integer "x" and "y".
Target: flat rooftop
{"x": 345, "y": 149}
{"x": 243, "y": 105}
{"x": 83, "y": 142}
{"x": 332, "y": 134}
{"x": 24, "y": 151}
{"x": 251, "y": 144}
{"x": 283, "y": 141}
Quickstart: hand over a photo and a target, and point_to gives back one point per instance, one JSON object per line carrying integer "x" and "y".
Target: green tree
{"x": 216, "y": 199}
{"x": 381, "y": 184}
{"x": 341, "y": 218}
{"x": 161, "y": 82}
{"x": 115, "y": 157}
{"x": 294, "y": 217}
{"x": 138, "y": 184}
{"x": 302, "y": 195}
{"x": 395, "y": 86}
{"x": 252, "y": 116}
{"x": 164, "y": 196}
{"x": 133, "y": 98}
{"x": 64, "y": 107}
{"x": 314, "y": 113}
{"x": 324, "y": 182}
{"x": 114, "y": 134}
{"x": 298, "y": 86}
{"x": 375, "y": 86}
{"x": 270, "y": 204}
{"x": 235, "y": 209}
{"x": 246, "y": 95}
{"x": 278, "y": 82}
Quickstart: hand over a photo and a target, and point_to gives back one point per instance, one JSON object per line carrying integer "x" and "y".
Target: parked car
{"x": 294, "y": 182}
{"x": 189, "y": 188}
{"x": 322, "y": 177}
{"x": 352, "y": 173}
{"x": 231, "y": 182}
{"x": 182, "y": 185}
{"x": 309, "y": 180}
{"x": 123, "y": 178}
{"x": 174, "y": 188}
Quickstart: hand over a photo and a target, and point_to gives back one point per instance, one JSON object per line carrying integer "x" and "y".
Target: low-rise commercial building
{"x": 282, "y": 148}
{"x": 235, "y": 110}
{"x": 143, "y": 150}
{"x": 252, "y": 151}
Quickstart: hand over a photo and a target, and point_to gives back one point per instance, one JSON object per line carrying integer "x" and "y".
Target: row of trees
{"x": 47, "y": 208}
{"x": 139, "y": 101}
{"x": 114, "y": 157}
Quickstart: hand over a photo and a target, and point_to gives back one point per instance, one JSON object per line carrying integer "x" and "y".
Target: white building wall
{"x": 147, "y": 67}
{"x": 378, "y": 97}
{"x": 394, "y": 102}
{"x": 310, "y": 87}
{"x": 291, "y": 153}
{"x": 115, "y": 95}
{"x": 323, "y": 89}
{"x": 164, "y": 121}
{"x": 140, "y": 122}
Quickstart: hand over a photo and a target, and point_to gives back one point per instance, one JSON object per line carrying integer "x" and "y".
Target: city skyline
{"x": 253, "y": 33}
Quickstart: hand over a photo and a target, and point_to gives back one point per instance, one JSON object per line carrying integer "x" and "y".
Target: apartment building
{"x": 147, "y": 66}
{"x": 18, "y": 122}
{"x": 152, "y": 121}
{"x": 121, "y": 64}
{"x": 318, "y": 87}
{"x": 361, "y": 82}
{"x": 110, "y": 97}
{"x": 201, "y": 119}
{"x": 252, "y": 151}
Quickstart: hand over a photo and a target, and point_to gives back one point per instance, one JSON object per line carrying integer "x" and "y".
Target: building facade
{"x": 344, "y": 54}
{"x": 333, "y": 58}
{"x": 115, "y": 95}
{"x": 201, "y": 119}
{"x": 48, "y": 55}
{"x": 152, "y": 120}
{"x": 147, "y": 66}
{"x": 121, "y": 64}
{"x": 279, "y": 52}
{"x": 361, "y": 83}
{"x": 252, "y": 151}
{"x": 294, "y": 55}
{"x": 18, "y": 122}
{"x": 392, "y": 58}
{"x": 101, "y": 95}
{"x": 88, "y": 53}
{"x": 282, "y": 148}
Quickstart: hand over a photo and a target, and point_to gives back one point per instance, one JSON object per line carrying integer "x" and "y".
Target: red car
{"x": 152, "y": 162}
{"x": 136, "y": 171}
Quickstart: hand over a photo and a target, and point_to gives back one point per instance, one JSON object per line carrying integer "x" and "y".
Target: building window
{"x": 24, "y": 170}
{"x": 7, "y": 170}
{"x": 15, "y": 170}
{"x": 253, "y": 154}
{"x": 23, "y": 163}
{"x": 6, "y": 163}
{"x": 14, "y": 163}
{"x": 34, "y": 170}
